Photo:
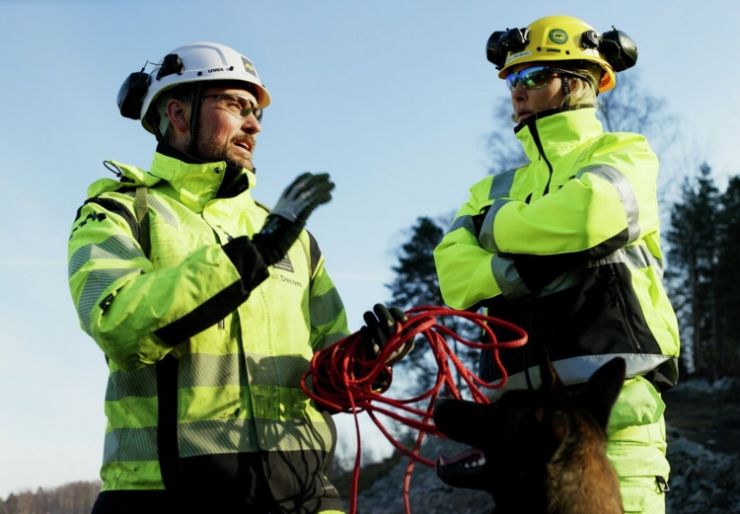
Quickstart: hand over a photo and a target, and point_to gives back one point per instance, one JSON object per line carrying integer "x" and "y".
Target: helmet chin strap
{"x": 565, "y": 88}
{"x": 195, "y": 118}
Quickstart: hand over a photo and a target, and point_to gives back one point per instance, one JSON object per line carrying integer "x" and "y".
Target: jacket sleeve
{"x": 468, "y": 273}
{"x": 136, "y": 313}
{"x": 608, "y": 203}
{"x": 326, "y": 310}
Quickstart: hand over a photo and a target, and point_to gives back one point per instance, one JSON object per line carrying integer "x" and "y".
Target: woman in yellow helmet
{"x": 568, "y": 245}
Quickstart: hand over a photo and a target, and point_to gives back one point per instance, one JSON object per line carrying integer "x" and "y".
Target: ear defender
{"x": 619, "y": 50}
{"x": 134, "y": 89}
{"x": 131, "y": 95}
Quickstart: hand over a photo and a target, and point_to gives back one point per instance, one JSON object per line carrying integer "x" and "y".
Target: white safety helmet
{"x": 195, "y": 62}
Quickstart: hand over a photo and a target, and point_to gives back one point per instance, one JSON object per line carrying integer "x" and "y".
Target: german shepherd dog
{"x": 541, "y": 451}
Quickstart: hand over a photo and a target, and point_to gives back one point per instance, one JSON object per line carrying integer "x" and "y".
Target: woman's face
{"x": 527, "y": 102}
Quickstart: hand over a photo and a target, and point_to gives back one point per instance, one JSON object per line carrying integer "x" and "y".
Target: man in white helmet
{"x": 207, "y": 305}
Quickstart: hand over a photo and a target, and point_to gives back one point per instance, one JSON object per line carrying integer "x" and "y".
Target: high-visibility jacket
{"x": 204, "y": 343}
{"x": 568, "y": 247}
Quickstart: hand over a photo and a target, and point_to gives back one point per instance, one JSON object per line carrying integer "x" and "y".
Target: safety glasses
{"x": 534, "y": 77}
{"x": 236, "y": 105}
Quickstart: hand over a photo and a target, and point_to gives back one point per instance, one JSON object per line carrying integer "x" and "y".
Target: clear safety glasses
{"x": 237, "y": 105}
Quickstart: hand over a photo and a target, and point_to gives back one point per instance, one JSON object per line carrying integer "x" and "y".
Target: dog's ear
{"x": 464, "y": 421}
{"x": 602, "y": 390}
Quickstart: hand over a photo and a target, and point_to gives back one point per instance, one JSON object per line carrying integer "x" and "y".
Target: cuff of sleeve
{"x": 507, "y": 277}
{"x": 247, "y": 260}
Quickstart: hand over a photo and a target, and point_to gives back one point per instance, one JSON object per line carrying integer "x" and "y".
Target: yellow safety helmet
{"x": 563, "y": 38}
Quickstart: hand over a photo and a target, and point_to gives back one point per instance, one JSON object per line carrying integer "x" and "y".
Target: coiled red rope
{"x": 343, "y": 378}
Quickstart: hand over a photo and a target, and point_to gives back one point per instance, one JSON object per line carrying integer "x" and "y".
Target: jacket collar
{"x": 196, "y": 183}
{"x": 551, "y": 134}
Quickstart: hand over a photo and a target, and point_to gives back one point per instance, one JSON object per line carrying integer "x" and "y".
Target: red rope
{"x": 342, "y": 379}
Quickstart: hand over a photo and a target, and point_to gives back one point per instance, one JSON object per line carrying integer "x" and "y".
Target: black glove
{"x": 285, "y": 222}
{"x": 379, "y": 327}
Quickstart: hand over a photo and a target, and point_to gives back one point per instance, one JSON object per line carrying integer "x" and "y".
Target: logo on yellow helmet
{"x": 558, "y": 36}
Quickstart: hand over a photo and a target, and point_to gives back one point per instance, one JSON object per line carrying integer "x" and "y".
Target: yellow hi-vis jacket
{"x": 205, "y": 344}
{"x": 568, "y": 247}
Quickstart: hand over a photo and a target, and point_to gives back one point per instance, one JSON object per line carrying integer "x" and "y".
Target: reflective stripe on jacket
{"x": 205, "y": 345}
{"x": 568, "y": 246}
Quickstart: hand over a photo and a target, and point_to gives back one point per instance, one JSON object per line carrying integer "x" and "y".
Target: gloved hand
{"x": 285, "y": 222}
{"x": 379, "y": 327}
{"x": 299, "y": 199}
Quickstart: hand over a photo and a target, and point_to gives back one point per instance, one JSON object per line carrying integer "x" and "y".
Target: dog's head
{"x": 518, "y": 435}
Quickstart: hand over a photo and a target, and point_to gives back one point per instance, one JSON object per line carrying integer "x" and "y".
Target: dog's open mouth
{"x": 467, "y": 469}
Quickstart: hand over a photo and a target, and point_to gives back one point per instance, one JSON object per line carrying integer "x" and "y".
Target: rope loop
{"x": 345, "y": 377}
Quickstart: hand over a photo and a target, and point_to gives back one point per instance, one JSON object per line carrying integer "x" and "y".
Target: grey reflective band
{"x": 207, "y": 370}
{"x": 486, "y": 237}
{"x": 500, "y": 188}
{"x": 218, "y": 436}
{"x": 130, "y": 444}
{"x": 275, "y": 435}
{"x": 163, "y": 211}
{"x": 275, "y": 371}
{"x": 635, "y": 255}
{"x": 501, "y": 184}
{"x": 507, "y": 277}
{"x": 577, "y": 370}
{"x": 140, "y": 382}
{"x": 325, "y": 308}
{"x": 97, "y": 282}
{"x": 115, "y": 247}
{"x": 626, "y": 193}
{"x": 466, "y": 222}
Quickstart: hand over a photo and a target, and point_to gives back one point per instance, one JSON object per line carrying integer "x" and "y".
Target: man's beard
{"x": 214, "y": 151}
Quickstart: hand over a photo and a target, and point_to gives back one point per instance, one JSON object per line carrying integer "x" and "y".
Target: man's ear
{"x": 178, "y": 112}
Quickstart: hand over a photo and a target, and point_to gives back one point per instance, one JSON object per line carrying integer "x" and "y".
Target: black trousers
{"x": 160, "y": 502}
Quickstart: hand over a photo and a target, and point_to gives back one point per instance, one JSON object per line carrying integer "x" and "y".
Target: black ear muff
{"x": 619, "y": 50}
{"x": 131, "y": 95}
{"x": 502, "y": 42}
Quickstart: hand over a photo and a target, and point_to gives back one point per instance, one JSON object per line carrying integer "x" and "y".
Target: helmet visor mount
{"x": 502, "y": 43}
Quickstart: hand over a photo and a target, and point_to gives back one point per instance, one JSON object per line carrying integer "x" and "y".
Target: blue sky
{"x": 393, "y": 98}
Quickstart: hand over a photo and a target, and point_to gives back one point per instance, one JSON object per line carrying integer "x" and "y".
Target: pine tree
{"x": 728, "y": 278}
{"x": 693, "y": 257}
{"x": 416, "y": 284}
